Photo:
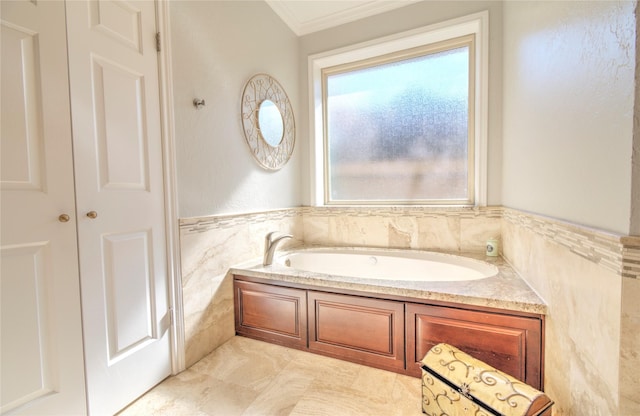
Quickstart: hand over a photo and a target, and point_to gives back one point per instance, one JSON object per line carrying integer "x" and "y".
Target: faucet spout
{"x": 270, "y": 243}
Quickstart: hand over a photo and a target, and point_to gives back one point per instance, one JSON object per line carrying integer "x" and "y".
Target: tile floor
{"x": 249, "y": 377}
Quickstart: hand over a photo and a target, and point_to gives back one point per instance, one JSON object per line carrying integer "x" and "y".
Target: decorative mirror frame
{"x": 259, "y": 88}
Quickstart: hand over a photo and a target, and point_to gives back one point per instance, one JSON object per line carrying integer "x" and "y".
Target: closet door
{"x": 113, "y": 66}
{"x": 41, "y": 365}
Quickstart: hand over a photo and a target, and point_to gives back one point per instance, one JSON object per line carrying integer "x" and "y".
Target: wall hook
{"x": 198, "y": 102}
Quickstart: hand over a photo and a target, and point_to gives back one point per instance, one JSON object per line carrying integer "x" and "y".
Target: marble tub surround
{"x": 589, "y": 281}
{"x": 592, "y": 323}
{"x": 630, "y": 256}
{"x": 420, "y": 228}
{"x": 616, "y": 253}
{"x": 209, "y": 246}
{"x": 630, "y": 348}
{"x": 506, "y": 290}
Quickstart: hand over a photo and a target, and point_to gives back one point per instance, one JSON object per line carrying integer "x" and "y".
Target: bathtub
{"x": 400, "y": 265}
{"x": 310, "y": 298}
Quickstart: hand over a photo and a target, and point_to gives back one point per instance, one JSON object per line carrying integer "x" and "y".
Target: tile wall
{"x": 209, "y": 246}
{"x": 592, "y": 327}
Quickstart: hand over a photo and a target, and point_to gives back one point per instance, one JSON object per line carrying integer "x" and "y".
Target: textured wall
{"x": 568, "y": 107}
{"x": 217, "y": 46}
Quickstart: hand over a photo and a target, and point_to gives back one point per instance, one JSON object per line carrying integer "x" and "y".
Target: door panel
{"x": 27, "y": 354}
{"x": 41, "y": 340}
{"x": 22, "y": 159}
{"x": 131, "y": 311}
{"x": 121, "y": 130}
{"x": 121, "y": 21}
{"x": 115, "y": 105}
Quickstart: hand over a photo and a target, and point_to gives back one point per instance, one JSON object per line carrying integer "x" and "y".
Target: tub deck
{"x": 506, "y": 290}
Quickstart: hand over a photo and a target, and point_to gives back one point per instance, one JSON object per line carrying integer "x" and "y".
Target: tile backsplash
{"x": 451, "y": 229}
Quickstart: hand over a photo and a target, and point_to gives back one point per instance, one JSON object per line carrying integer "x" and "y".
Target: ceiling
{"x": 308, "y": 16}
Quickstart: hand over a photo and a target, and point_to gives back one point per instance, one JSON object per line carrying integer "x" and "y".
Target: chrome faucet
{"x": 270, "y": 243}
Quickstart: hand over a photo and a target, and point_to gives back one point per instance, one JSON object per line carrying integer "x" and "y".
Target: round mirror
{"x": 267, "y": 121}
{"x": 270, "y": 123}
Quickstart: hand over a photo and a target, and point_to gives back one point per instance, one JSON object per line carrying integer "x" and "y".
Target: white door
{"x": 41, "y": 365}
{"x": 115, "y": 107}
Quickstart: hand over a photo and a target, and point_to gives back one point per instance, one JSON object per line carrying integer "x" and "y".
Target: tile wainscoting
{"x": 589, "y": 279}
{"x": 590, "y": 282}
{"x": 208, "y": 247}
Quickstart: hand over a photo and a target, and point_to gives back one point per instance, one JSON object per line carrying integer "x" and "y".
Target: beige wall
{"x": 217, "y": 46}
{"x": 568, "y": 108}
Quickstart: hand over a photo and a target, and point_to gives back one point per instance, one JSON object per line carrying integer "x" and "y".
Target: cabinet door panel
{"x": 509, "y": 343}
{"x": 368, "y": 331}
{"x": 271, "y": 313}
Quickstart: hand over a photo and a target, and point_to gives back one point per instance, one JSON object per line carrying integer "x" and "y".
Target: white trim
{"x": 482, "y": 109}
{"x": 170, "y": 189}
{"x": 477, "y": 23}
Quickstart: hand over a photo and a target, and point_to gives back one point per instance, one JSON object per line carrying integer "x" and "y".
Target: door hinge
{"x": 158, "y": 41}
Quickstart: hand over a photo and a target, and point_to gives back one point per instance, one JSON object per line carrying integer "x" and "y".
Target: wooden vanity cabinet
{"x": 271, "y": 313}
{"x": 363, "y": 330}
{"x": 512, "y": 344}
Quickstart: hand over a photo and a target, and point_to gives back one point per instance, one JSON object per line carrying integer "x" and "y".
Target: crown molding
{"x": 334, "y": 13}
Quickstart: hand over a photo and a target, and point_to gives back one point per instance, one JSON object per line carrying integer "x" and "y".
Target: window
{"x": 400, "y": 121}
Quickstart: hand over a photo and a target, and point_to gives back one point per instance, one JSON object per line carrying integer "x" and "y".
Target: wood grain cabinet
{"x": 392, "y": 334}
{"x": 271, "y": 313}
{"x": 512, "y": 344}
{"x": 363, "y": 330}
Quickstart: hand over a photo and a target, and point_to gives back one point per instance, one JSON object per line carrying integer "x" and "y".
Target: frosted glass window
{"x": 399, "y": 129}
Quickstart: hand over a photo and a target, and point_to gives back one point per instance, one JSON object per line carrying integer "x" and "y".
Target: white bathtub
{"x": 388, "y": 264}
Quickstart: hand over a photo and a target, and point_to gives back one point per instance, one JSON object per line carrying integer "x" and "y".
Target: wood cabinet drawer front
{"x": 271, "y": 313}
{"x": 476, "y": 340}
{"x": 509, "y": 343}
{"x": 364, "y": 330}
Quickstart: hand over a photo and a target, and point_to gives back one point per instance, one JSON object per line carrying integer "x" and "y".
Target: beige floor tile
{"x": 245, "y": 377}
{"x": 245, "y": 362}
{"x": 323, "y": 399}
{"x": 282, "y": 394}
